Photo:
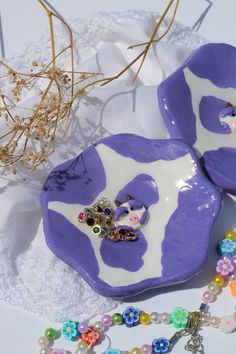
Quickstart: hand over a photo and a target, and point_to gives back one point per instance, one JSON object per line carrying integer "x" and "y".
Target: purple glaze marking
{"x": 209, "y": 109}
{"x": 217, "y": 63}
{"x": 73, "y": 183}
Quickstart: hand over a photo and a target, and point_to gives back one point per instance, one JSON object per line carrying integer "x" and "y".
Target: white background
{"x": 19, "y": 330}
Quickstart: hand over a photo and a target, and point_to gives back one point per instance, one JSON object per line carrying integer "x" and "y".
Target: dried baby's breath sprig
{"x": 28, "y": 134}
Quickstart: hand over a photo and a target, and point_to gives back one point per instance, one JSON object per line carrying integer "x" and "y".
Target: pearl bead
{"x": 43, "y": 342}
{"x": 99, "y": 326}
{"x": 231, "y": 235}
{"x": 214, "y": 289}
{"x": 106, "y": 320}
{"x": 144, "y": 318}
{"x": 117, "y": 319}
{"x": 205, "y": 320}
{"x": 135, "y": 351}
{"x": 82, "y": 345}
{"x": 208, "y": 297}
{"x": 165, "y": 318}
{"x": 81, "y": 351}
{"x": 50, "y": 333}
{"x": 218, "y": 280}
{"x": 214, "y": 322}
{"x": 45, "y": 351}
{"x": 146, "y": 349}
{"x": 155, "y": 318}
{"x": 83, "y": 327}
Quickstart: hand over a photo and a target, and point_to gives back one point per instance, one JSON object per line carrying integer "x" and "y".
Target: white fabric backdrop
{"x": 31, "y": 276}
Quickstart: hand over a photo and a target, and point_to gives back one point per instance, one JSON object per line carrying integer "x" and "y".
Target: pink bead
{"x": 146, "y": 349}
{"x": 214, "y": 322}
{"x": 106, "y": 320}
{"x": 83, "y": 327}
{"x": 82, "y": 216}
{"x": 208, "y": 297}
{"x": 165, "y": 318}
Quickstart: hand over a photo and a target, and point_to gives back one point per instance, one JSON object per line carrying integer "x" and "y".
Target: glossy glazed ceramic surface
{"x": 198, "y": 106}
{"x": 161, "y": 174}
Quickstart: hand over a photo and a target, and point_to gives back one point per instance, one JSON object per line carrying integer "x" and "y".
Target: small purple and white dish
{"x": 153, "y": 190}
{"x": 198, "y": 104}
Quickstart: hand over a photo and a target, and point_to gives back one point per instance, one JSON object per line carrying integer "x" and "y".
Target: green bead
{"x": 50, "y": 333}
{"x": 117, "y": 319}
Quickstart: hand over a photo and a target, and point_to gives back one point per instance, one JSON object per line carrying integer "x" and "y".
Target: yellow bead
{"x": 144, "y": 318}
{"x": 231, "y": 235}
{"x": 135, "y": 351}
{"x": 218, "y": 280}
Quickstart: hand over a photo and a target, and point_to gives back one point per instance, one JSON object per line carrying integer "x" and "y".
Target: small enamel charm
{"x": 116, "y": 222}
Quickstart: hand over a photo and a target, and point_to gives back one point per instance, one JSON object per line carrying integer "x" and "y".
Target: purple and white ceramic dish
{"x": 162, "y": 175}
{"x": 198, "y": 106}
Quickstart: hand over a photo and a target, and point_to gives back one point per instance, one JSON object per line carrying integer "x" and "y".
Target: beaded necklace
{"x": 189, "y": 324}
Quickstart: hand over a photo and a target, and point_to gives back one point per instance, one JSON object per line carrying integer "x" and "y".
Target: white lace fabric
{"x": 31, "y": 276}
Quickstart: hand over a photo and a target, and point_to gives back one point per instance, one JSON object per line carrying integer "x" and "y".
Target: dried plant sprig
{"x": 29, "y": 132}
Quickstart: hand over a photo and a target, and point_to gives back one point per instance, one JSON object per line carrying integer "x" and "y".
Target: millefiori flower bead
{"x": 227, "y": 324}
{"x": 179, "y": 317}
{"x": 225, "y": 267}
{"x": 160, "y": 345}
{"x": 58, "y": 351}
{"x": 69, "y": 330}
{"x": 92, "y": 337}
{"x": 226, "y": 246}
{"x": 131, "y": 316}
{"x": 112, "y": 351}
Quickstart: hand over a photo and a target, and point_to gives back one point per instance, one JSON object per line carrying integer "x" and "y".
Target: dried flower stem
{"x": 30, "y": 139}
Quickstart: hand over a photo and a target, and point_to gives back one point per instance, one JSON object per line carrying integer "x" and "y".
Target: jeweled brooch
{"x": 116, "y": 221}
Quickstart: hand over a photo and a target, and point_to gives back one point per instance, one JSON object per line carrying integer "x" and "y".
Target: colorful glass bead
{"x": 179, "y": 318}
{"x": 90, "y": 221}
{"x": 218, "y": 280}
{"x": 225, "y": 267}
{"x": 131, "y": 316}
{"x": 226, "y": 246}
{"x": 230, "y": 235}
{"x": 69, "y": 330}
{"x": 232, "y": 287}
{"x": 117, "y": 319}
{"x": 50, "y": 333}
{"x": 160, "y": 345}
{"x": 144, "y": 318}
{"x": 82, "y": 217}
